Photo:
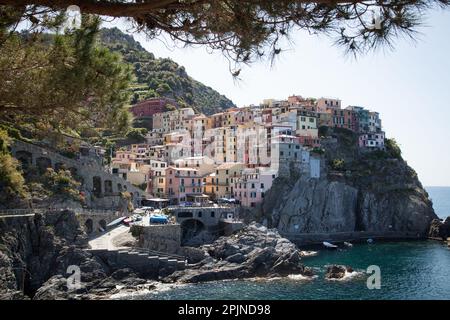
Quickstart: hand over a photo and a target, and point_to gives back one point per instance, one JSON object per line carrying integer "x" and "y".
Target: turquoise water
{"x": 441, "y": 200}
{"x": 409, "y": 270}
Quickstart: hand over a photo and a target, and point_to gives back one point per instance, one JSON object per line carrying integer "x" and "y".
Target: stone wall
{"x": 164, "y": 238}
{"x": 108, "y": 185}
{"x": 230, "y": 227}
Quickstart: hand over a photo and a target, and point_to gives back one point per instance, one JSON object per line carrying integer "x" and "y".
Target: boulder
{"x": 236, "y": 258}
{"x": 337, "y": 272}
{"x": 440, "y": 229}
{"x": 255, "y": 251}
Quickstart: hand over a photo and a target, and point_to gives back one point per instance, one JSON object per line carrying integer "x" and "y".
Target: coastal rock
{"x": 254, "y": 251}
{"x": 236, "y": 258}
{"x": 336, "y": 272}
{"x": 440, "y": 229}
{"x": 193, "y": 255}
{"x": 53, "y": 289}
{"x": 36, "y": 253}
{"x": 317, "y": 206}
{"x": 371, "y": 192}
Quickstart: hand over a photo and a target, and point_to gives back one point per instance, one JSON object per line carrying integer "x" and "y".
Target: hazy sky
{"x": 409, "y": 86}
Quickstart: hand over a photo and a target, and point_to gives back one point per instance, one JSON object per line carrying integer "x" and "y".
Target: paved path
{"x": 105, "y": 240}
{"x": 16, "y": 215}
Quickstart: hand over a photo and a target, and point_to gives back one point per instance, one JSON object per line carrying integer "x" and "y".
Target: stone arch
{"x": 108, "y": 186}
{"x": 42, "y": 163}
{"x": 102, "y": 225}
{"x": 97, "y": 186}
{"x": 89, "y": 226}
{"x": 190, "y": 228}
{"x": 25, "y": 158}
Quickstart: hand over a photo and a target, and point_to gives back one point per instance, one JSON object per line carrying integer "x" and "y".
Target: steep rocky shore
{"x": 36, "y": 252}
{"x": 255, "y": 251}
{"x": 372, "y": 191}
{"x": 440, "y": 229}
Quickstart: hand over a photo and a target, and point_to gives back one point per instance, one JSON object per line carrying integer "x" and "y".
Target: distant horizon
{"x": 436, "y": 186}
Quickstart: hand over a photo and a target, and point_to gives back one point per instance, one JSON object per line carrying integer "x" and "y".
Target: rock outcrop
{"x": 317, "y": 205}
{"x": 367, "y": 191}
{"x": 31, "y": 248}
{"x": 338, "y": 272}
{"x": 255, "y": 251}
{"x": 35, "y": 253}
{"x": 440, "y": 229}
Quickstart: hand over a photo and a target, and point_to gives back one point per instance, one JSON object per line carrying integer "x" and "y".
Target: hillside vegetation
{"x": 162, "y": 77}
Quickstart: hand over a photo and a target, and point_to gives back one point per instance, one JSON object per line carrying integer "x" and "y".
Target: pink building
{"x": 251, "y": 187}
{"x": 183, "y": 184}
{"x": 323, "y": 104}
{"x": 149, "y": 107}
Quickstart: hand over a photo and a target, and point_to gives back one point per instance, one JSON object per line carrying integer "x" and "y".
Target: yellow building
{"x": 220, "y": 183}
{"x": 307, "y": 124}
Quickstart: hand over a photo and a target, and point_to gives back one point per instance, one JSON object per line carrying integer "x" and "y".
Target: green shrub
{"x": 338, "y": 164}
{"x": 142, "y": 186}
{"x": 393, "y": 148}
{"x": 137, "y": 134}
{"x": 62, "y": 183}
{"x": 318, "y": 150}
{"x": 12, "y": 183}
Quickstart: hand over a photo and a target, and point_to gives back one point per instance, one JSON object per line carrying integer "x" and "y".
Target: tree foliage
{"x": 12, "y": 183}
{"x": 393, "y": 148}
{"x": 245, "y": 30}
{"x": 62, "y": 82}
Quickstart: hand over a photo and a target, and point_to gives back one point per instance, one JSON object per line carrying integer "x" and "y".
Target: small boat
{"x": 348, "y": 244}
{"x": 329, "y": 245}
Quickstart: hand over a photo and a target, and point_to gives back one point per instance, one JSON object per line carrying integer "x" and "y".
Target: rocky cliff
{"x": 358, "y": 191}
{"x": 36, "y": 251}
{"x": 31, "y": 247}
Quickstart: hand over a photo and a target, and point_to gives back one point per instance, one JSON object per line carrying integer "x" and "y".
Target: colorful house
{"x": 183, "y": 184}
{"x": 251, "y": 187}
